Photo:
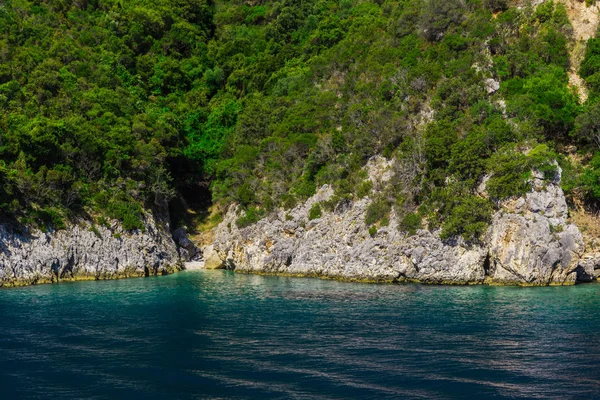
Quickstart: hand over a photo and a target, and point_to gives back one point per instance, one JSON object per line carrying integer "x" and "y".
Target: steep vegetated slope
{"x": 452, "y": 90}
{"x": 97, "y": 98}
{"x": 111, "y": 107}
{"x": 471, "y": 104}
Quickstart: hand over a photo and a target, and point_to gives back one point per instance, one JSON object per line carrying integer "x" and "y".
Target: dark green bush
{"x": 437, "y": 16}
{"x": 377, "y": 210}
{"x": 304, "y": 187}
{"x": 411, "y": 223}
{"x": 246, "y": 194}
{"x": 571, "y": 177}
{"x": 52, "y": 217}
{"x": 372, "y": 230}
{"x": 587, "y": 126}
{"x": 469, "y": 217}
{"x": 544, "y": 160}
{"x": 469, "y": 155}
{"x": 314, "y": 212}
{"x": 129, "y": 213}
{"x": 591, "y": 179}
{"x": 510, "y": 173}
{"x": 364, "y": 189}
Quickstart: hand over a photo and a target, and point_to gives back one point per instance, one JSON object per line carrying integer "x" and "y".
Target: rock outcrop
{"x": 530, "y": 242}
{"x": 187, "y": 249}
{"x": 83, "y": 252}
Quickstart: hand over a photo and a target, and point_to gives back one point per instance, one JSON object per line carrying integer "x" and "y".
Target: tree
{"x": 439, "y": 15}
{"x": 587, "y": 126}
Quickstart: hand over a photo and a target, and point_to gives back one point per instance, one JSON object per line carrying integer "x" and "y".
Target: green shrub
{"x": 385, "y": 221}
{"x": 289, "y": 201}
{"x": 372, "y": 230}
{"x": 103, "y": 221}
{"x": 469, "y": 155}
{"x": 496, "y": 5}
{"x": 590, "y": 66}
{"x": 587, "y": 126}
{"x": 469, "y": 217}
{"x": 314, "y": 212}
{"x": 544, "y": 160}
{"x": 570, "y": 181}
{"x": 251, "y": 216}
{"x": 411, "y": 223}
{"x": 132, "y": 222}
{"x": 364, "y": 189}
{"x": 544, "y": 11}
{"x": 304, "y": 187}
{"x": 437, "y": 16}
{"x": 246, "y": 194}
{"x": 376, "y": 211}
{"x": 510, "y": 171}
{"x": 591, "y": 179}
{"x": 128, "y": 212}
{"x": 52, "y": 217}
{"x": 440, "y": 137}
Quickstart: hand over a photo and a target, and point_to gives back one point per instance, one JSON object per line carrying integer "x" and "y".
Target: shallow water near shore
{"x": 216, "y": 334}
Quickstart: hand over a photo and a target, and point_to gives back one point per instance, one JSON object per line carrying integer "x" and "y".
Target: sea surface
{"x": 216, "y": 334}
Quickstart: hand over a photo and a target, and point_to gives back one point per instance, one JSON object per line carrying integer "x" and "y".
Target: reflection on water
{"x": 215, "y": 334}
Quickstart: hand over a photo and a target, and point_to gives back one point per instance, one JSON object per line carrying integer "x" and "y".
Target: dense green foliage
{"x": 114, "y": 106}
{"x": 411, "y": 223}
{"x": 359, "y": 80}
{"x": 98, "y": 98}
{"x": 587, "y": 129}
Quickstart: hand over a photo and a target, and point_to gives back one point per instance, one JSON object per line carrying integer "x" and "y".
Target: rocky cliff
{"x": 530, "y": 242}
{"x": 83, "y": 252}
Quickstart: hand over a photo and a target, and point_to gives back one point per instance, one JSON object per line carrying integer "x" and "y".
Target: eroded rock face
{"x": 589, "y": 267}
{"x": 187, "y": 249}
{"x": 338, "y": 245}
{"x": 529, "y": 242}
{"x": 81, "y": 252}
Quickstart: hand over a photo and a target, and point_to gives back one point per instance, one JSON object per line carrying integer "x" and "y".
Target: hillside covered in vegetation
{"x": 111, "y": 107}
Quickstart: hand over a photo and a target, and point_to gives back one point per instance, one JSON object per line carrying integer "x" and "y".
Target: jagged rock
{"x": 529, "y": 242}
{"x": 85, "y": 252}
{"x": 212, "y": 259}
{"x": 187, "y": 249}
{"x": 589, "y": 268}
{"x": 339, "y": 246}
{"x": 491, "y": 85}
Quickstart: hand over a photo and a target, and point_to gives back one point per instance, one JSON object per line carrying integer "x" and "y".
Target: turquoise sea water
{"x": 216, "y": 334}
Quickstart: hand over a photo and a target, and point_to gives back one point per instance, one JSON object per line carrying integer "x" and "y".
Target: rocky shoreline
{"x": 87, "y": 252}
{"x": 530, "y": 242}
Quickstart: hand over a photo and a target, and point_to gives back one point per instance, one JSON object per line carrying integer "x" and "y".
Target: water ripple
{"x": 215, "y": 334}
